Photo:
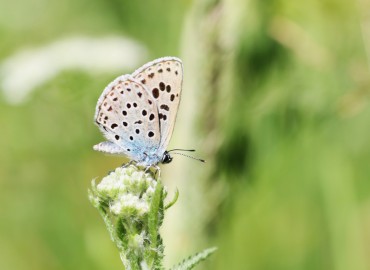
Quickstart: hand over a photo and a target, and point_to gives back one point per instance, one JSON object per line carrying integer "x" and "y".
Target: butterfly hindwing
{"x": 128, "y": 117}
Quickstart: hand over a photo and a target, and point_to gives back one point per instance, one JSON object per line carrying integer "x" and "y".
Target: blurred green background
{"x": 275, "y": 98}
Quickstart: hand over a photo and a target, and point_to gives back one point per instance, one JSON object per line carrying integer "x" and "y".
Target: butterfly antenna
{"x": 187, "y": 150}
{"x": 199, "y": 159}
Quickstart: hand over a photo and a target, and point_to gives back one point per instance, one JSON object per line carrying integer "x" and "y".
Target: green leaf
{"x": 155, "y": 217}
{"x": 174, "y": 200}
{"x": 192, "y": 261}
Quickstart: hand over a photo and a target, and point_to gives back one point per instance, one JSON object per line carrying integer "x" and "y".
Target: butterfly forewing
{"x": 163, "y": 80}
{"x": 128, "y": 117}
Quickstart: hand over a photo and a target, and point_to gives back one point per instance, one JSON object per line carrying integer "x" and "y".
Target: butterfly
{"x": 136, "y": 112}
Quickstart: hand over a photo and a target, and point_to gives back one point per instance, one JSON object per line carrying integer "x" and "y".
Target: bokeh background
{"x": 276, "y": 99}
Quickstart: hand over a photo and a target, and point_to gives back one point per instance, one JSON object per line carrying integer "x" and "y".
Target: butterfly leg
{"x": 158, "y": 171}
{"x": 125, "y": 165}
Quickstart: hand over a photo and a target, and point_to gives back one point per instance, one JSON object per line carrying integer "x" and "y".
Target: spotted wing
{"x": 163, "y": 79}
{"x": 128, "y": 117}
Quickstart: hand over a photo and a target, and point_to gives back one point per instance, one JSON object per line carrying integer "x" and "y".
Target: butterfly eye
{"x": 166, "y": 158}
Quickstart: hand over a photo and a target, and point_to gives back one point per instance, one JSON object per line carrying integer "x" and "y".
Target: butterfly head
{"x": 166, "y": 158}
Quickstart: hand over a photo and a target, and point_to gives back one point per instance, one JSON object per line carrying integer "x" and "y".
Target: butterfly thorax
{"x": 150, "y": 158}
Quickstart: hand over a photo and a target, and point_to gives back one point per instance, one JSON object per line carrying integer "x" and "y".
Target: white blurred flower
{"x": 26, "y": 70}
